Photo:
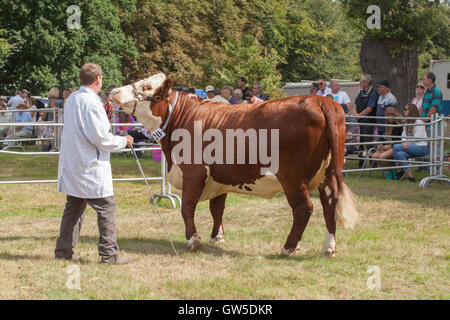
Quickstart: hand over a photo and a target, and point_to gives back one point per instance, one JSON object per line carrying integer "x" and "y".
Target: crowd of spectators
{"x": 381, "y": 103}
{"x": 372, "y": 100}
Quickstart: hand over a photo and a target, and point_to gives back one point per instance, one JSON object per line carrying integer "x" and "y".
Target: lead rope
{"x": 153, "y": 199}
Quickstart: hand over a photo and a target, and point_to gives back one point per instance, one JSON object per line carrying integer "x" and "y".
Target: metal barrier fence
{"x": 434, "y": 161}
{"x": 166, "y": 187}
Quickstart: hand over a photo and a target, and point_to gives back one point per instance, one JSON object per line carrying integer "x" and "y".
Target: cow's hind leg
{"x": 302, "y": 207}
{"x": 217, "y": 206}
{"x": 329, "y": 196}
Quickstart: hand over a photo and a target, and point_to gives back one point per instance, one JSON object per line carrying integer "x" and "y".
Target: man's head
{"x": 429, "y": 79}
{"x": 210, "y": 92}
{"x": 335, "y": 87}
{"x": 226, "y": 92}
{"x": 241, "y": 82}
{"x": 24, "y": 93}
{"x": 91, "y": 75}
{"x": 365, "y": 81}
{"x": 257, "y": 88}
{"x": 384, "y": 87}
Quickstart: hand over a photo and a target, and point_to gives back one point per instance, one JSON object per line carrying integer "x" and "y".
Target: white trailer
{"x": 441, "y": 68}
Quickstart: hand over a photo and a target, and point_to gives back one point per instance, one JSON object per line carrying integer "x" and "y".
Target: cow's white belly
{"x": 265, "y": 187}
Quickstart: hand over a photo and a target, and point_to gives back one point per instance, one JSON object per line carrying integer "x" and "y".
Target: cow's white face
{"x": 131, "y": 99}
{"x": 138, "y": 90}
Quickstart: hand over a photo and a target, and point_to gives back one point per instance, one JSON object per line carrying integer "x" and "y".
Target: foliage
{"x": 47, "y": 53}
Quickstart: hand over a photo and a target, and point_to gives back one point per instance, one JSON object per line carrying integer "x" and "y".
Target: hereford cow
{"x": 306, "y": 143}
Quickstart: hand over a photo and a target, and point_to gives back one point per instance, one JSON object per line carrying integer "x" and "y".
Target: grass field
{"x": 404, "y": 232}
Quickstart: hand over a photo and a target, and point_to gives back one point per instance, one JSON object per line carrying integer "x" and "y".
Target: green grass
{"x": 404, "y": 230}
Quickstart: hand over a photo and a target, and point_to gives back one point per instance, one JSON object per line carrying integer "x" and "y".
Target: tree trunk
{"x": 378, "y": 60}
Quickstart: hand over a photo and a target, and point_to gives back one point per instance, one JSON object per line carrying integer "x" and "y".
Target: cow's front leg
{"x": 217, "y": 206}
{"x": 192, "y": 189}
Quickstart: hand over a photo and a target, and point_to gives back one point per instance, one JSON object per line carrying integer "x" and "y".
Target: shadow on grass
{"x": 20, "y": 256}
{"x": 132, "y": 245}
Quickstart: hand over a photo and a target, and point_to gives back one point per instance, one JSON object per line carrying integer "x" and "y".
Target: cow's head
{"x": 142, "y": 99}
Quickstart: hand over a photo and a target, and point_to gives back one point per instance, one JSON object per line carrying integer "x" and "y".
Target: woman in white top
{"x": 406, "y": 150}
{"x": 420, "y": 92}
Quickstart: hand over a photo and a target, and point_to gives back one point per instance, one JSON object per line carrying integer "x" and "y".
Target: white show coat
{"x": 84, "y": 169}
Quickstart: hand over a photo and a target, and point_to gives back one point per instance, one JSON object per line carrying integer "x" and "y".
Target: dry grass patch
{"x": 404, "y": 230}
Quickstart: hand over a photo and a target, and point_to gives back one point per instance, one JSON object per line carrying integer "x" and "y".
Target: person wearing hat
{"x": 21, "y": 131}
{"x": 385, "y": 100}
{"x": 210, "y": 92}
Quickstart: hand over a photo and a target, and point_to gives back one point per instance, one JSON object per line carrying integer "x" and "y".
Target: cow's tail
{"x": 346, "y": 215}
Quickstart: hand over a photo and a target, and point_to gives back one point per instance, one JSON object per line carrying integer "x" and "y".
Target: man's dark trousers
{"x": 72, "y": 220}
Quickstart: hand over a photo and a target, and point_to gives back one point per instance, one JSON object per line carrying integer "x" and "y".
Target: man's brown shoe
{"x": 73, "y": 258}
{"x": 116, "y": 260}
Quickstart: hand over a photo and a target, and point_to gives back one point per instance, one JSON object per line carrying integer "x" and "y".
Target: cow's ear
{"x": 165, "y": 89}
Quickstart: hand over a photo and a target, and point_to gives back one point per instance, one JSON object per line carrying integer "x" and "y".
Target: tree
{"x": 391, "y": 52}
{"x": 48, "y": 53}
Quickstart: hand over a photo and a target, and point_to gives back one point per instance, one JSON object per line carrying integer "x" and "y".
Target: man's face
{"x": 363, "y": 84}
{"x": 427, "y": 82}
{"x": 210, "y": 94}
{"x": 383, "y": 90}
{"x": 256, "y": 90}
{"x": 65, "y": 94}
{"x": 335, "y": 87}
{"x": 24, "y": 95}
{"x": 240, "y": 83}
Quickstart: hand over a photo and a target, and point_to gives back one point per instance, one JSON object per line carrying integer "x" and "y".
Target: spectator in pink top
{"x": 251, "y": 98}
{"x": 124, "y": 117}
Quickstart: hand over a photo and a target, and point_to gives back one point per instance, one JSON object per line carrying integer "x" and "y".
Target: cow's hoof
{"x": 328, "y": 253}
{"x": 287, "y": 252}
{"x": 194, "y": 242}
{"x": 218, "y": 238}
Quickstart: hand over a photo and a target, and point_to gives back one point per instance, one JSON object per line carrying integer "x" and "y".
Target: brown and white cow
{"x": 311, "y": 137}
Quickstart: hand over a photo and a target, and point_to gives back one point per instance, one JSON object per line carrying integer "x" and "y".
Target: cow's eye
{"x": 147, "y": 87}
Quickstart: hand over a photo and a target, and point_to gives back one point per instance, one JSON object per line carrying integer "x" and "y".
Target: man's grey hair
{"x": 367, "y": 78}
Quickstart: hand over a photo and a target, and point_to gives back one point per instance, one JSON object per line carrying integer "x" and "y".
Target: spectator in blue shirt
{"x": 385, "y": 100}
{"x": 21, "y": 131}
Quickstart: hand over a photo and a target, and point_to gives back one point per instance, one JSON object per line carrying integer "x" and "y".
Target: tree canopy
{"x": 46, "y": 53}
{"x": 208, "y": 42}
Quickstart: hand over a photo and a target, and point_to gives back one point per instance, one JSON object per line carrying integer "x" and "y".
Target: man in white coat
{"x": 84, "y": 169}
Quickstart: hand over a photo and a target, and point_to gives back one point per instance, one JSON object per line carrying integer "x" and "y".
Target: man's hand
{"x": 130, "y": 141}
